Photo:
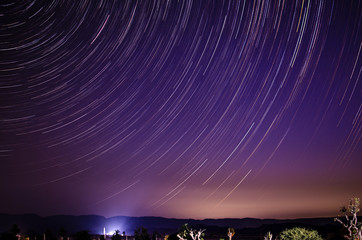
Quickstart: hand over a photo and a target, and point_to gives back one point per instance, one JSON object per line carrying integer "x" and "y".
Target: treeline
{"x": 349, "y": 227}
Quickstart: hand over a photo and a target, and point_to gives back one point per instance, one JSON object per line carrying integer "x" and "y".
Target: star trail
{"x": 186, "y": 109}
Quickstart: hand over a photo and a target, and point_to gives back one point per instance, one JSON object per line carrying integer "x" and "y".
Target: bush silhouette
{"x": 298, "y": 233}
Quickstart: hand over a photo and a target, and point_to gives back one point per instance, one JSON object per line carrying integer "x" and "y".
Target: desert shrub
{"x": 298, "y": 233}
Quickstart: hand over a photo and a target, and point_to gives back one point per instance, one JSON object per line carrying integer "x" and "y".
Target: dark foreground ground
{"x": 215, "y": 229}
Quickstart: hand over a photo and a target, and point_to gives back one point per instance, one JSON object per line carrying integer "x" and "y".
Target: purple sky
{"x": 185, "y": 109}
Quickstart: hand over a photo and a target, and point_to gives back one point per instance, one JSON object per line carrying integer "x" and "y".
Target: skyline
{"x": 189, "y": 109}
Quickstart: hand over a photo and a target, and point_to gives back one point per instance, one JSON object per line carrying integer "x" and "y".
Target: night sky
{"x": 185, "y": 109}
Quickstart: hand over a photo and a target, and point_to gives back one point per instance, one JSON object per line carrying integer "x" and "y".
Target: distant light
{"x": 112, "y": 232}
{"x": 112, "y": 228}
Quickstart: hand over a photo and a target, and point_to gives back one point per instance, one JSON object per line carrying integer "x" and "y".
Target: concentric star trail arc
{"x": 174, "y": 108}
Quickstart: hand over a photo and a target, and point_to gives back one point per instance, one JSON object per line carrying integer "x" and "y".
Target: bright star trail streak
{"x": 185, "y": 109}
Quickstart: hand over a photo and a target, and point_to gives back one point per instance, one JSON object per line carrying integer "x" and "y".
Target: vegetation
{"x": 187, "y": 233}
{"x": 49, "y": 235}
{"x": 268, "y": 236}
{"x": 155, "y": 236}
{"x": 141, "y": 234}
{"x": 12, "y": 235}
{"x": 116, "y": 235}
{"x": 33, "y": 235}
{"x": 231, "y": 233}
{"x": 15, "y": 230}
{"x": 350, "y": 227}
{"x": 184, "y": 232}
{"x": 63, "y": 234}
{"x": 350, "y": 221}
{"x": 298, "y": 233}
{"x": 82, "y": 235}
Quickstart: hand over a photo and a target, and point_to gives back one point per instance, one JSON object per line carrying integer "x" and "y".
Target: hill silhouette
{"x": 214, "y": 227}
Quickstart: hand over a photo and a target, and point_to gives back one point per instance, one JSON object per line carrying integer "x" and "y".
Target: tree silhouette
{"x": 187, "y": 234}
{"x": 8, "y": 236}
{"x": 15, "y": 230}
{"x": 49, "y": 235}
{"x": 351, "y": 222}
{"x": 141, "y": 234}
{"x": 82, "y": 235}
{"x": 12, "y": 235}
{"x": 116, "y": 235}
{"x": 231, "y": 233}
{"x": 268, "y": 236}
{"x": 63, "y": 233}
{"x": 155, "y": 236}
{"x": 32, "y": 235}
